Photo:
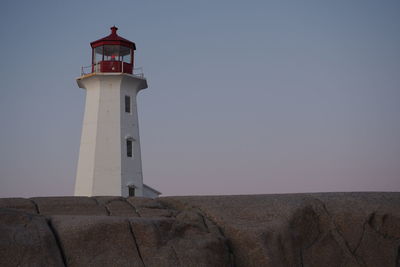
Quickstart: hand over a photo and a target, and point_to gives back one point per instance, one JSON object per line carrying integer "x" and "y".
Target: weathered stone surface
{"x": 152, "y": 236}
{"x": 27, "y": 240}
{"x": 21, "y": 204}
{"x": 368, "y": 224}
{"x": 197, "y": 242}
{"x": 69, "y": 206}
{"x": 147, "y": 207}
{"x": 103, "y": 200}
{"x": 331, "y": 229}
{"x": 178, "y": 242}
{"x": 96, "y": 241}
{"x": 117, "y": 206}
{"x": 326, "y": 229}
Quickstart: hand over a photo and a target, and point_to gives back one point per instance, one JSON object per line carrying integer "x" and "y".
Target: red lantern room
{"x": 112, "y": 54}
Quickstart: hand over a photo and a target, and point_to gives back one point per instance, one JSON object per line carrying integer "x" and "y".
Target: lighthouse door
{"x": 131, "y": 191}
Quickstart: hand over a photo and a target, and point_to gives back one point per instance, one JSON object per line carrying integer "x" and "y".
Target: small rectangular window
{"x": 129, "y": 148}
{"x": 127, "y": 104}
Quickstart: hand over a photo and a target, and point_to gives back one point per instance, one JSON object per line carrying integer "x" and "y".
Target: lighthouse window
{"x": 125, "y": 53}
{"x": 127, "y": 104}
{"x": 112, "y": 53}
{"x": 98, "y": 54}
{"x": 129, "y": 148}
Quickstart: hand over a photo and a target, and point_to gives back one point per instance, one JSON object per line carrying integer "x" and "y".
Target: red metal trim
{"x": 115, "y": 39}
{"x": 100, "y": 43}
{"x": 115, "y": 66}
{"x": 93, "y": 58}
{"x": 132, "y": 51}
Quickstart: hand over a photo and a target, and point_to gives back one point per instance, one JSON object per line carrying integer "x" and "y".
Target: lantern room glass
{"x": 112, "y": 53}
{"x": 97, "y": 54}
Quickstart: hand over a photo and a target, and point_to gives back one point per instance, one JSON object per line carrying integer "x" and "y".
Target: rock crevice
{"x": 136, "y": 244}
{"x": 57, "y": 239}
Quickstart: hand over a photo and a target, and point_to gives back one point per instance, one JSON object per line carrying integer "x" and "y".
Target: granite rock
{"x": 327, "y": 229}
{"x": 324, "y": 229}
{"x": 27, "y": 240}
{"x": 117, "y": 206}
{"x": 177, "y": 242}
{"x": 147, "y": 207}
{"x": 96, "y": 241}
{"x": 21, "y": 204}
{"x": 68, "y": 206}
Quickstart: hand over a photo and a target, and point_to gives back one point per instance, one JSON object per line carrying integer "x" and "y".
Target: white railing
{"x": 138, "y": 72}
{"x": 86, "y": 70}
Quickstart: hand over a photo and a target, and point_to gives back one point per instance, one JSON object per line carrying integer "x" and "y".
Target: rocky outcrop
{"x": 27, "y": 240}
{"x": 106, "y": 231}
{"x": 330, "y": 229}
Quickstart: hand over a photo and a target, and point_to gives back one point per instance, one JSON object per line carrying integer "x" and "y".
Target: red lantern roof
{"x": 113, "y": 39}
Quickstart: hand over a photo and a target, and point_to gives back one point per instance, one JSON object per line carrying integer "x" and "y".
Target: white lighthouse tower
{"x": 109, "y": 157}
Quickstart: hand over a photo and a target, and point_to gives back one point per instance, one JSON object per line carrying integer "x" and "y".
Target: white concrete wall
{"x": 103, "y": 166}
{"x": 150, "y": 192}
{"x": 85, "y": 170}
{"x": 131, "y": 167}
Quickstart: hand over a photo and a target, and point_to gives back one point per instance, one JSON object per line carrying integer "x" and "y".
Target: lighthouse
{"x": 110, "y": 161}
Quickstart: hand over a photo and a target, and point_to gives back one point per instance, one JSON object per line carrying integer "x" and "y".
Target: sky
{"x": 244, "y": 97}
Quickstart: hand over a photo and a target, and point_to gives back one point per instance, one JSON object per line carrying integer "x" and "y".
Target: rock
{"x": 147, "y": 207}
{"x": 196, "y": 243}
{"x": 142, "y": 202}
{"x": 103, "y": 200}
{"x": 117, "y": 206}
{"x": 331, "y": 229}
{"x": 174, "y": 242}
{"x": 68, "y": 206}
{"x": 324, "y": 229}
{"x": 21, "y": 204}
{"x": 27, "y": 240}
{"x": 96, "y": 241}
{"x": 368, "y": 224}
{"x": 152, "y": 236}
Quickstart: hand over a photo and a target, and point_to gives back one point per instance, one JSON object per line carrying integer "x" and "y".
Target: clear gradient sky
{"x": 244, "y": 97}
